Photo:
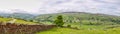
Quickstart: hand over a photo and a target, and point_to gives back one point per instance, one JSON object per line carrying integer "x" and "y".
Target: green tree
{"x": 59, "y": 21}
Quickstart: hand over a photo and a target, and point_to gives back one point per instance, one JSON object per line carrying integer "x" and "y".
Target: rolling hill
{"x": 86, "y": 23}
{"x": 69, "y": 17}
{"x": 81, "y": 17}
{"x": 24, "y": 16}
{"x": 17, "y": 21}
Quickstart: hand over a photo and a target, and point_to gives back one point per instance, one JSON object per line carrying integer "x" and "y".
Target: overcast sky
{"x": 53, "y": 6}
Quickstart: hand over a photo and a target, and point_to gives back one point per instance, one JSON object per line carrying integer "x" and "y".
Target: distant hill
{"x": 24, "y": 16}
{"x": 69, "y": 17}
{"x": 4, "y": 14}
{"x": 80, "y": 17}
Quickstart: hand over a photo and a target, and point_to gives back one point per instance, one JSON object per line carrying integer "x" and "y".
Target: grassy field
{"x": 81, "y": 31}
{"x": 18, "y": 21}
{"x": 84, "y": 29}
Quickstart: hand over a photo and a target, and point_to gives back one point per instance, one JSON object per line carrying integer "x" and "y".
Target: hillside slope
{"x": 82, "y": 23}
{"x": 81, "y": 17}
{"x": 17, "y": 21}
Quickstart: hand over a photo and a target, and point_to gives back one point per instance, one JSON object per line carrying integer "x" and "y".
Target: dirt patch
{"x": 23, "y": 29}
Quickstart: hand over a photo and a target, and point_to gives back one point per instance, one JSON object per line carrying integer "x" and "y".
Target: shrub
{"x": 68, "y": 25}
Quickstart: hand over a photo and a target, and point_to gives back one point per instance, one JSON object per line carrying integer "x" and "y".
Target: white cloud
{"x": 94, "y": 6}
{"x": 53, "y": 6}
{"x": 27, "y": 5}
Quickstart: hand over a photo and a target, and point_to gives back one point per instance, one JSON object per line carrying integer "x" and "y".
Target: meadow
{"x": 85, "y": 29}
